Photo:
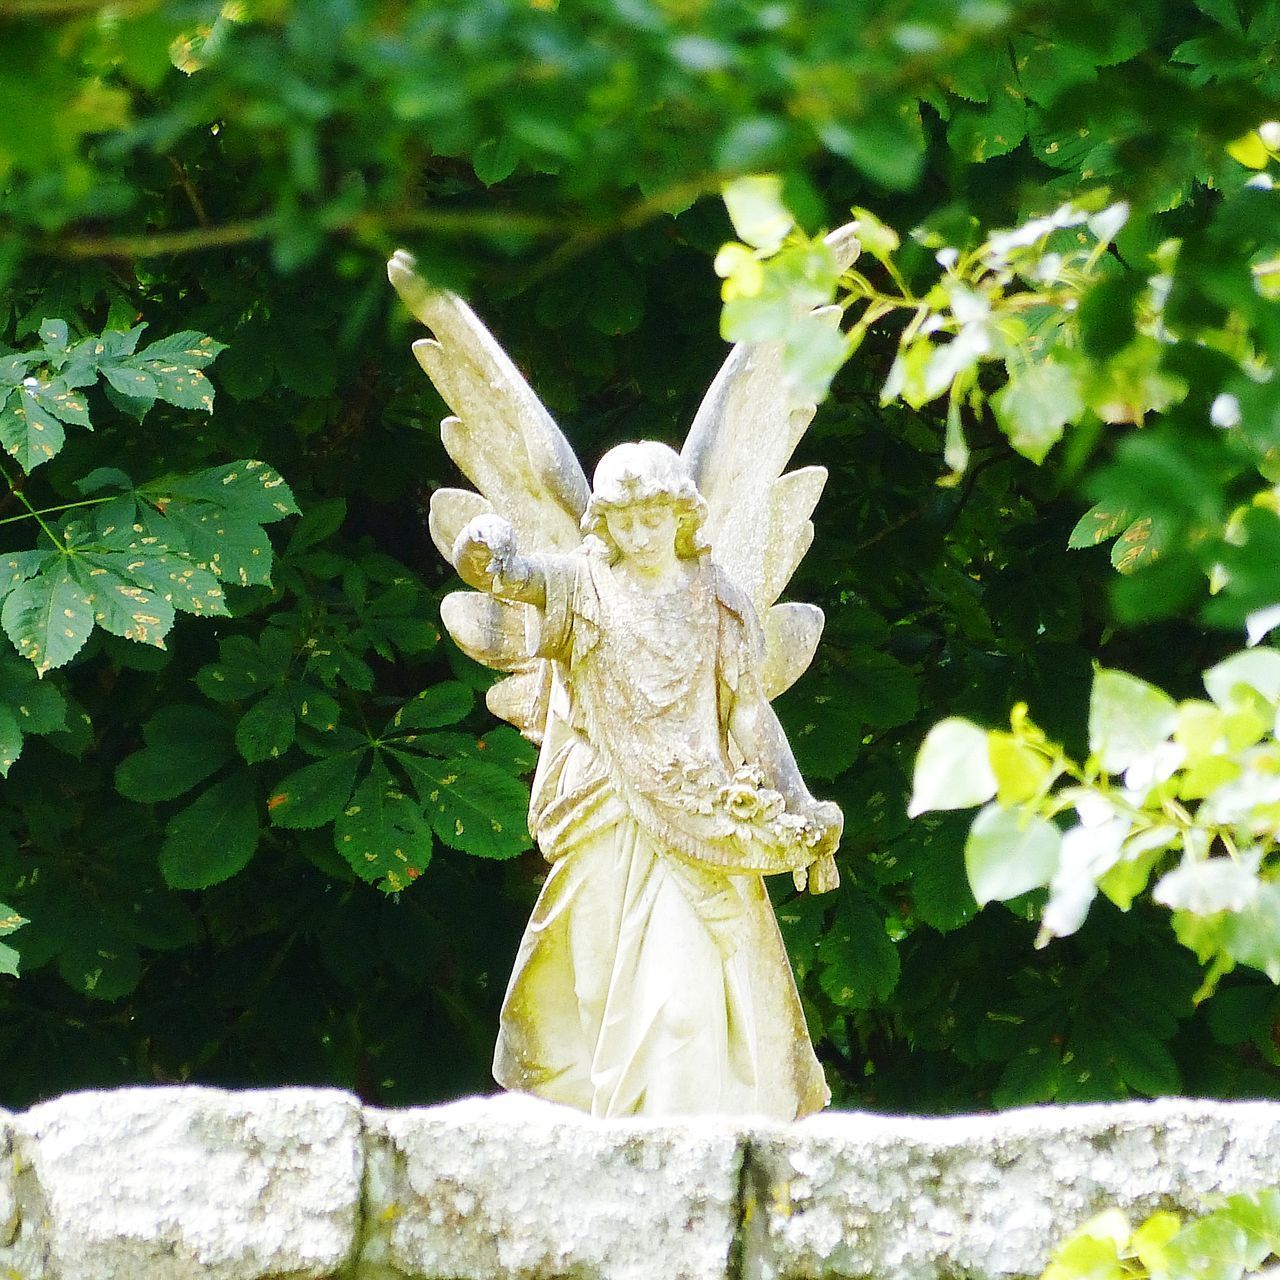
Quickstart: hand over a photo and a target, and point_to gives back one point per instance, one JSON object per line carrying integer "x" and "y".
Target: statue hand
{"x": 830, "y": 819}
{"x": 485, "y": 550}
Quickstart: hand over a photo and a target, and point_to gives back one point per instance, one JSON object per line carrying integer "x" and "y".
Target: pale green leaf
{"x": 1098, "y": 524}
{"x": 953, "y": 768}
{"x": 1036, "y": 404}
{"x": 10, "y": 920}
{"x": 1009, "y": 853}
{"x": 29, "y": 433}
{"x": 1128, "y": 719}
{"x": 757, "y": 211}
{"x": 1258, "y": 669}
{"x": 121, "y": 605}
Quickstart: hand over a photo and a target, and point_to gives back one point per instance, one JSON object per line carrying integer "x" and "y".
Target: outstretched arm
{"x": 485, "y": 557}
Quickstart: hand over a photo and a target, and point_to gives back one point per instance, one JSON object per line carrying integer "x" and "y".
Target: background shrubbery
{"x": 196, "y": 203}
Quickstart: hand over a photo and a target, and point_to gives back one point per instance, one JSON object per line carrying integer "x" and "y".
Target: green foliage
{"x": 1229, "y": 1241}
{"x": 173, "y": 820}
{"x": 1184, "y": 792}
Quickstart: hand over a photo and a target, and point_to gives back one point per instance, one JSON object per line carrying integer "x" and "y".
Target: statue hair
{"x": 647, "y": 472}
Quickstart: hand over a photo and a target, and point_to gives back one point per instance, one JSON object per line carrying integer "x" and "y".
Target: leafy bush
{"x": 208, "y": 848}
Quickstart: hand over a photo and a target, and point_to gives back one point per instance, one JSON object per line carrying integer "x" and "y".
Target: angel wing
{"x": 737, "y": 450}
{"x": 506, "y": 443}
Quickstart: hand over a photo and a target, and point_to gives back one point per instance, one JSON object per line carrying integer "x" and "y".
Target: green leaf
{"x": 1034, "y": 406}
{"x": 173, "y": 366}
{"x": 122, "y": 605}
{"x": 10, "y": 920}
{"x": 1143, "y": 1061}
{"x": 1257, "y": 1214}
{"x": 212, "y": 838}
{"x": 888, "y": 148}
{"x": 441, "y": 704}
{"x": 1097, "y": 525}
{"x": 27, "y": 705}
{"x": 1128, "y": 719}
{"x": 383, "y": 833}
{"x": 131, "y": 381}
{"x": 473, "y": 806}
{"x": 314, "y": 794}
{"x": 266, "y": 730}
{"x": 235, "y": 549}
{"x": 859, "y": 962}
{"x": 1212, "y": 1248}
{"x": 10, "y": 740}
{"x": 813, "y": 716}
{"x": 1257, "y": 669}
{"x": 1138, "y": 545}
{"x": 978, "y": 134}
{"x": 1031, "y": 1077}
{"x": 495, "y": 160}
{"x": 1009, "y": 853}
{"x": 102, "y": 968}
{"x": 195, "y": 349}
{"x": 48, "y": 617}
{"x": 9, "y": 960}
{"x": 1021, "y": 772}
{"x": 756, "y": 210}
{"x": 245, "y": 669}
{"x": 18, "y": 566}
{"x": 29, "y": 433}
{"x": 184, "y": 745}
{"x": 953, "y": 768}
{"x": 248, "y": 489}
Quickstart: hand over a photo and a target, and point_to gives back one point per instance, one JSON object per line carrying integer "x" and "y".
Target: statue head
{"x": 647, "y": 473}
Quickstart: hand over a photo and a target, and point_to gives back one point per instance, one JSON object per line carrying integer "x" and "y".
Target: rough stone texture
{"x": 513, "y": 1187}
{"x": 296, "y": 1184}
{"x": 984, "y": 1196}
{"x": 187, "y": 1183}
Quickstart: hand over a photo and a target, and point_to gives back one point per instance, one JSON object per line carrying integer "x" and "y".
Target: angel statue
{"x": 637, "y": 622}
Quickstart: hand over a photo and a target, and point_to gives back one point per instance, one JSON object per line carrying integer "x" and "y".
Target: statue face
{"x": 644, "y": 533}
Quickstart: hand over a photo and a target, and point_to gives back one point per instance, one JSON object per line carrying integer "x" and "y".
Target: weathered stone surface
{"x": 295, "y": 1184}
{"x": 511, "y": 1188}
{"x": 893, "y": 1197}
{"x": 187, "y": 1183}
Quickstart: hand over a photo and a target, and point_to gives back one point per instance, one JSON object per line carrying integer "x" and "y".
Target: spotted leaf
{"x": 48, "y": 617}
{"x": 382, "y": 833}
{"x": 473, "y": 806}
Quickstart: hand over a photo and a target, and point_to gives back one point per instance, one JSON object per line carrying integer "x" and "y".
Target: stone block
{"x": 901, "y": 1198}
{"x": 512, "y": 1188}
{"x": 196, "y": 1184}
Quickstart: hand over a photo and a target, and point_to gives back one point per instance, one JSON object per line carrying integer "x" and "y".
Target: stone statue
{"x": 637, "y": 622}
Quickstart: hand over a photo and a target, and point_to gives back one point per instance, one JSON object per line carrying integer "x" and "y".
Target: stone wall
{"x": 299, "y": 1184}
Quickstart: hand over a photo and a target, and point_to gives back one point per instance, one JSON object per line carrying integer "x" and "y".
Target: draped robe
{"x": 652, "y": 978}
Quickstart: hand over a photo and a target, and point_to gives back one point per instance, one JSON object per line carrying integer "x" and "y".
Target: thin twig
{"x": 188, "y": 187}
